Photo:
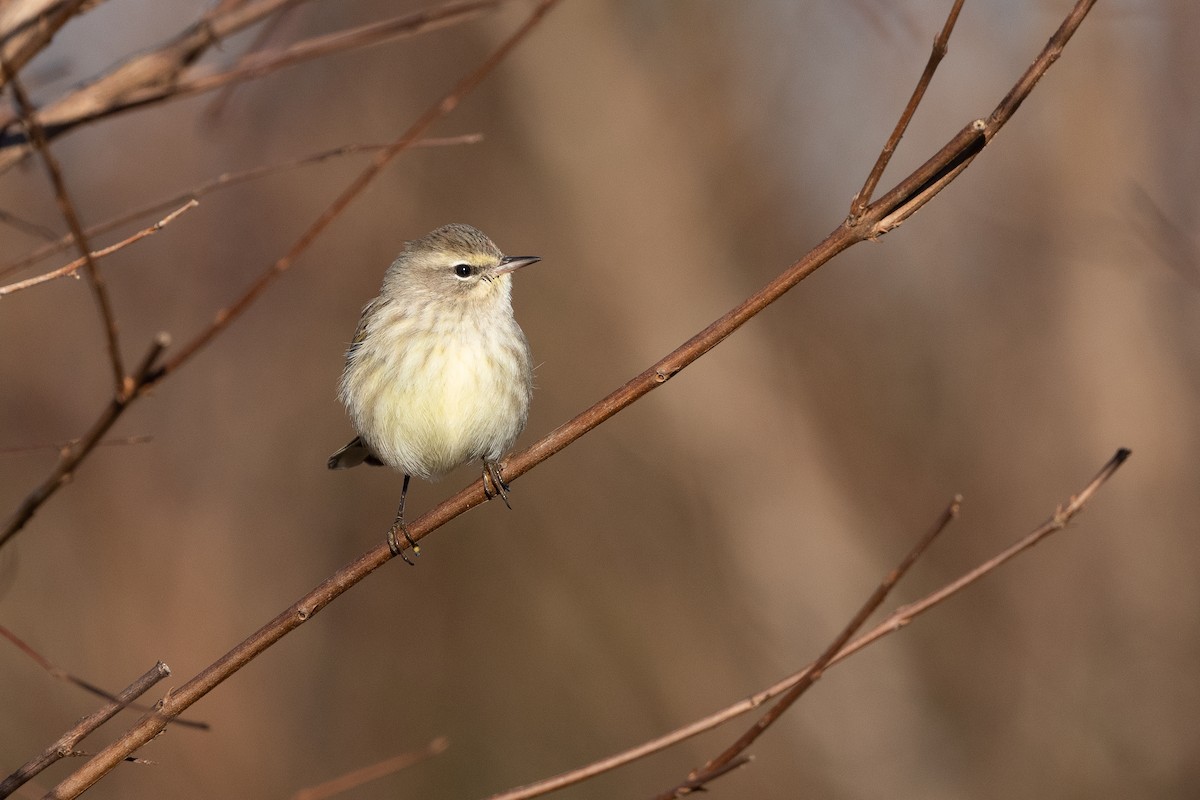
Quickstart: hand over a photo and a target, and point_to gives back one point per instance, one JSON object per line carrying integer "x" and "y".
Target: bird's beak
{"x": 514, "y": 263}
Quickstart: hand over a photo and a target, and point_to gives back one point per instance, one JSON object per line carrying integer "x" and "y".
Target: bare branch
{"x": 141, "y": 438}
{"x": 35, "y": 29}
{"x": 67, "y": 207}
{"x": 940, "y": 45}
{"x": 716, "y": 766}
{"x": 66, "y": 743}
{"x": 160, "y": 75}
{"x": 352, "y": 780}
{"x": 70, "y": 269}
{"x": 223, "y": 181}
{"x": 894, "y": 622}
{"x": 71, "y": 458}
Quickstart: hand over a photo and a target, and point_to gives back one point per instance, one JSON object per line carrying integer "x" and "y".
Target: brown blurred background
{"x": 665, "y": 159}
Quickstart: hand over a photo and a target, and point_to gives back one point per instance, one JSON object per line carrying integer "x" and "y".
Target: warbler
{"x": 438, "y": 372}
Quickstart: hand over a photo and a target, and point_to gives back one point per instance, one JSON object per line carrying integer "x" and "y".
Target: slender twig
{"x": 61, "y": 447}
{"x": 32, "y": 228}
{"x": 37, "y": 34}
{"x": 162, "y": 74}
{"x": 216, "y": 107}
{"x": 256, "y": 65}
{"x": 65, "y": 746}
{"x": 96, "y": 255}
{"x": 698, "y": 778}
{"x": 71, "y": 458}
{"x": 177, "y": 701}
{"x": 891, "y": 624}
{"x": 223, "y": 181}
{"x": 940, "y": 45}
{"x": 67, "y": 207}
{"x": 1172, "y": 243}
{"x": 880, "y": 217}
{"x": 352, "y": 780}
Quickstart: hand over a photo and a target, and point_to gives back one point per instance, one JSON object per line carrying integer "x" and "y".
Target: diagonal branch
{"x": 67, "y": 207}
{"x": 95, "y": 255}
{"x": 163, "y": 74}
{"x": 73, "y": 455}
{"x": 223, "y": 181}
{"x": 352, "y": 780}
{"x": 940, "y": 45}
{"x": 891, "y": 624}
{"x": 33, "y": 33}
{"x": 716, "y": 767}
{"x": 65, "y": 746}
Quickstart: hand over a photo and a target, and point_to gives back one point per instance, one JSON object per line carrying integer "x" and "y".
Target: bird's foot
{"x": 394, "y": 544}
{"x": 493, "y": 483}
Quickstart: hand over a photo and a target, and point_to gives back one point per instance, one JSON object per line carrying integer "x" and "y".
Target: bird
{"x": 438, "y": 372}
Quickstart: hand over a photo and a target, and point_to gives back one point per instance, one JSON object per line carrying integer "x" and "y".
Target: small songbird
{"x": 438, "y": 373}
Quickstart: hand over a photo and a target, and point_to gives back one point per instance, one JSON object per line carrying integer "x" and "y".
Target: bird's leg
{"x": 398, "y": 525}
{"x": 497, "y": 487}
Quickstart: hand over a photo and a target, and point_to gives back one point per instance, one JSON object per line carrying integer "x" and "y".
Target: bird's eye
{"x": 463, "y": 270}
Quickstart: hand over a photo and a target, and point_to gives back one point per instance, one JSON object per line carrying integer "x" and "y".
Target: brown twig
{"x": 160, "y": 74}
{"x": 61, "y": 447}
{"x": 1170, "y": 241}
{"x": 67, "y": 207}
{"x": 216, "y": 107}
{"x": 696, "y": 780}
{"x": 223, "y": 181}
{"x": 65, "y": 746}
{"x": 940, "y": 45}
{"x": 71, "y": 458}
{"x": 879, "y": 218}
{"x": 96, "y": 255}
{"x": 892, "y": 623}
{"x": 176, "y": 702}
{"x": 35, "y": 33}
{"x": 256, "y": 65}
{"x": 32, "y": 228}
{"x": 352, "y": 780}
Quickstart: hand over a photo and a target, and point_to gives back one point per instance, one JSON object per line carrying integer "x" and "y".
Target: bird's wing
{"x": 360, "y": 332}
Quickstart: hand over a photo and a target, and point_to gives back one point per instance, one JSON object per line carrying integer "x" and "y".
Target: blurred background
{"x": 665, "y": 160}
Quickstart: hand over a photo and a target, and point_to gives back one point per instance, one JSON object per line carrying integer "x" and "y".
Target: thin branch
{"x": 877, "y": 219}
{"x": 66, "y": 744}
{"x": 32, "y": 228}
{"x": 141, "y": 438}
{"x": 940, "y": 46}
{"x": 892, "y": 623}
{"x": 67, "y": 207}
{"x": 96, "y": 255}
{"x": 1170, "y": 241}
{"x": 216, "y": 106}
{"x": 352, "y": 780}
{"x": 256, "y": 65}
{"x": 177, "y": 701}
{"x": 1050, "y": 53}
{"x": 714, "y": 768}
{"x": 35, "y": 33}
{"x": 160, "y": 75}
{"x": 70, "y": 459}
{"x": 224, "y": 181}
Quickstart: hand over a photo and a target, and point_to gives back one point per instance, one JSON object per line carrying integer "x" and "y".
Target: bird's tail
{"x": 352, "y": 455}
